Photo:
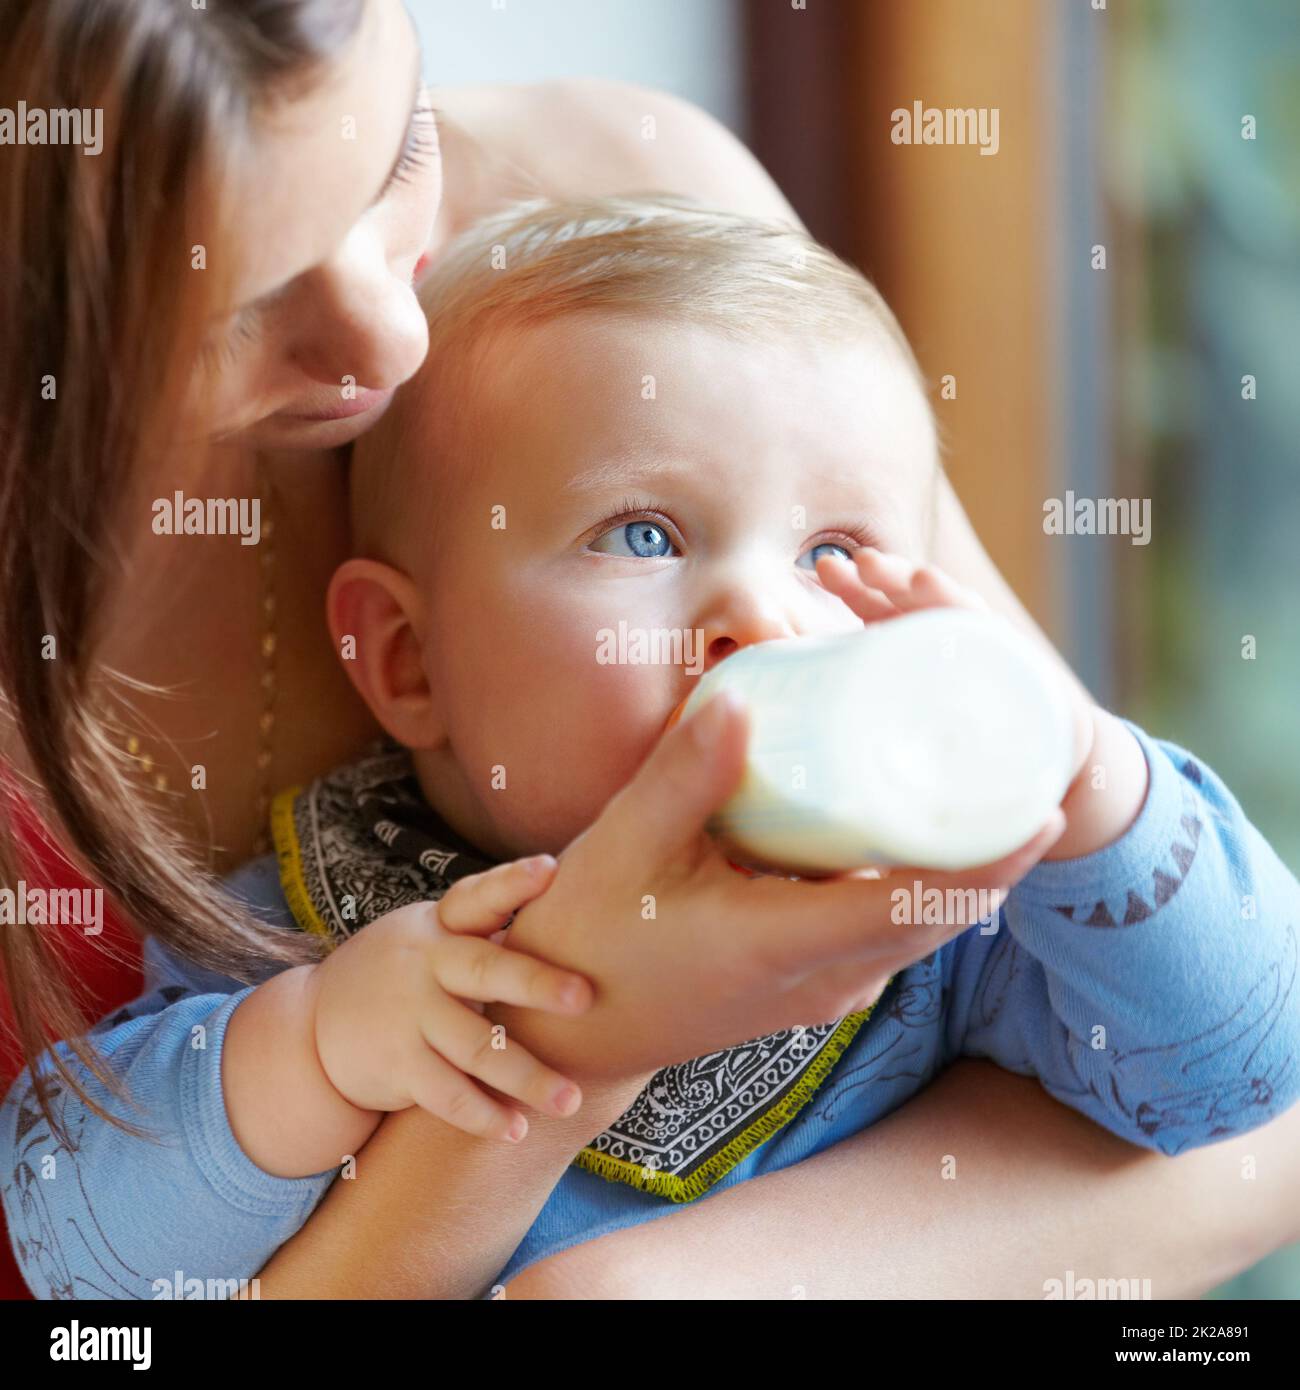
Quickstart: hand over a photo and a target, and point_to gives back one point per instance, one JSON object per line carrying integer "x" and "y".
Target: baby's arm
{"x": 109, "y": 1214}
{"x": 1150, "y": 984}
{"x": 112, "y": 1214}
{"x": 1149, "y": 974}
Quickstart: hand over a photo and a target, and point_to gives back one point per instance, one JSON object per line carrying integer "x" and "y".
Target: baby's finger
{"x": 932, "y": 588}
{"x": 475, "y": 1046}
{"x": 907, "y": 584}
{"x": 839, "y": 577}
{"x": 483, "y": 903}
{"x": 878, "y": 569}
{"x": 913, "y": 586}
{"x": 437, "y": 1086}
{"x": 492, "y": 973}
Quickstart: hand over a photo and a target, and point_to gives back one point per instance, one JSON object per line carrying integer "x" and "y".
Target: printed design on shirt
{"x": 1166, "y": 878}
{"x": 168, "y": 993}
{"x": 1189, "y": 1113}
{"x": 904, "y": 1052}
{"x": 1002, "y": 968}
{"x": 36, "y": 1237}
{"x": 362, "y": 841}
{"x": 1198, "y": 1113}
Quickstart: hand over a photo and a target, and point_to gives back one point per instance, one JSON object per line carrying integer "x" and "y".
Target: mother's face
{"x": 337, "y": 197}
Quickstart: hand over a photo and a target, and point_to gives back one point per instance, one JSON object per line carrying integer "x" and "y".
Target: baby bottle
{"x": 940, "y": 739}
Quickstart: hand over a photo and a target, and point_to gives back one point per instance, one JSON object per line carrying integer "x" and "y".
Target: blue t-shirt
{"x": 1151, "y": 986}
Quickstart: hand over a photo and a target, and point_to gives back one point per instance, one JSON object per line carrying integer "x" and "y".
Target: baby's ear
{"x": 376, "y": 616}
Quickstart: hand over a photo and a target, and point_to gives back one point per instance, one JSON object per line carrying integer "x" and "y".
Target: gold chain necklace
{"x": 268, "y": 679}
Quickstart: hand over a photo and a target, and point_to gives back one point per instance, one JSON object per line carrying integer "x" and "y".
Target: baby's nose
{"x": 748, "y": 622}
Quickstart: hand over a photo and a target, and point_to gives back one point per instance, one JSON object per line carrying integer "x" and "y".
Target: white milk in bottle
{"x": 941, "y": 739}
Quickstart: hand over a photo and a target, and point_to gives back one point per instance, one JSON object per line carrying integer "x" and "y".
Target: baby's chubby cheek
{"x": 618, "y": 713}
{"x": 573, "y": 731}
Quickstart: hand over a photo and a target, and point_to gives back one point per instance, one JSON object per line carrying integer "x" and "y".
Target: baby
{"x": 642, "y": 416}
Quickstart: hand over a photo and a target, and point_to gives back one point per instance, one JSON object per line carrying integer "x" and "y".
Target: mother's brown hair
{"x": 102, "y": 314}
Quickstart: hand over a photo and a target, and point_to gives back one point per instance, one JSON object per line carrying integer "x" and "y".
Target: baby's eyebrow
{"x": 627, "y": 472}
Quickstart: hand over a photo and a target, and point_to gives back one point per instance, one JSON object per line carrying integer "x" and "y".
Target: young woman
{"x": 214, "y": 305}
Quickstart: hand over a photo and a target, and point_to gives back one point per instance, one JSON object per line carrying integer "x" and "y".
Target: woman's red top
{"x": 107, "y": 982}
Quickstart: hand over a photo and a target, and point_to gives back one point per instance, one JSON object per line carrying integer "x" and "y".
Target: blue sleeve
{"x": 1151, "y": 985}
{"x": 114, "y": 1214}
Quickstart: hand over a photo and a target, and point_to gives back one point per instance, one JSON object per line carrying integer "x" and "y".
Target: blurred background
{"x": 1165, "y": 133}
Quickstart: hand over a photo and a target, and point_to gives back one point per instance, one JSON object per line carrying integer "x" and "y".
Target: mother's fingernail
{"x": 1050, "y": 833}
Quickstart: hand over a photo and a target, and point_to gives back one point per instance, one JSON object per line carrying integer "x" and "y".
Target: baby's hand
{"x": 1109, "y": 778}
{"x": 392, "y": 1025}
{"x": 877, "y": 586}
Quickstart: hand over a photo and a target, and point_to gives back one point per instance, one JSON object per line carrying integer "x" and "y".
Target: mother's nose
{"x": 361, "y": 321}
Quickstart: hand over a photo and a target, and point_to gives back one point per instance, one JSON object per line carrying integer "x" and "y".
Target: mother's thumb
{"x": 693, "y": 769}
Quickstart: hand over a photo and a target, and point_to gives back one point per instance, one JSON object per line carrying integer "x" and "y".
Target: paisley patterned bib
{"x": 361, "y": 841}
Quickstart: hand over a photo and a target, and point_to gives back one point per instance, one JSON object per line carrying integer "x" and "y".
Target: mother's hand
{"x": 687, "y": 956}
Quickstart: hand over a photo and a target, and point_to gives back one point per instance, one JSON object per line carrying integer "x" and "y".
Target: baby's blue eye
{"x": 642, "y": 540}
{"x": 816, "y": 553}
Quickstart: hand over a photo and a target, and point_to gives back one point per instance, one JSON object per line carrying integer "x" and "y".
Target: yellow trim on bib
{"x": 687, "y": 1189}
{"x": 288, "y": 854}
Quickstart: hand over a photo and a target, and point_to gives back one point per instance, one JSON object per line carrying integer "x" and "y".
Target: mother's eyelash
{"x": 242, "y": 330}
{"x": 418, "y": 150}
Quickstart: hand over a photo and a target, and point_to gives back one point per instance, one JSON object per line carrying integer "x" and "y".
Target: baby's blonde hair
{"x": 654, "y": 256}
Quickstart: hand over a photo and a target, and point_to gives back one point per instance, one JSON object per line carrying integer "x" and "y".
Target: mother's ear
{"x": 376, "y": 617}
